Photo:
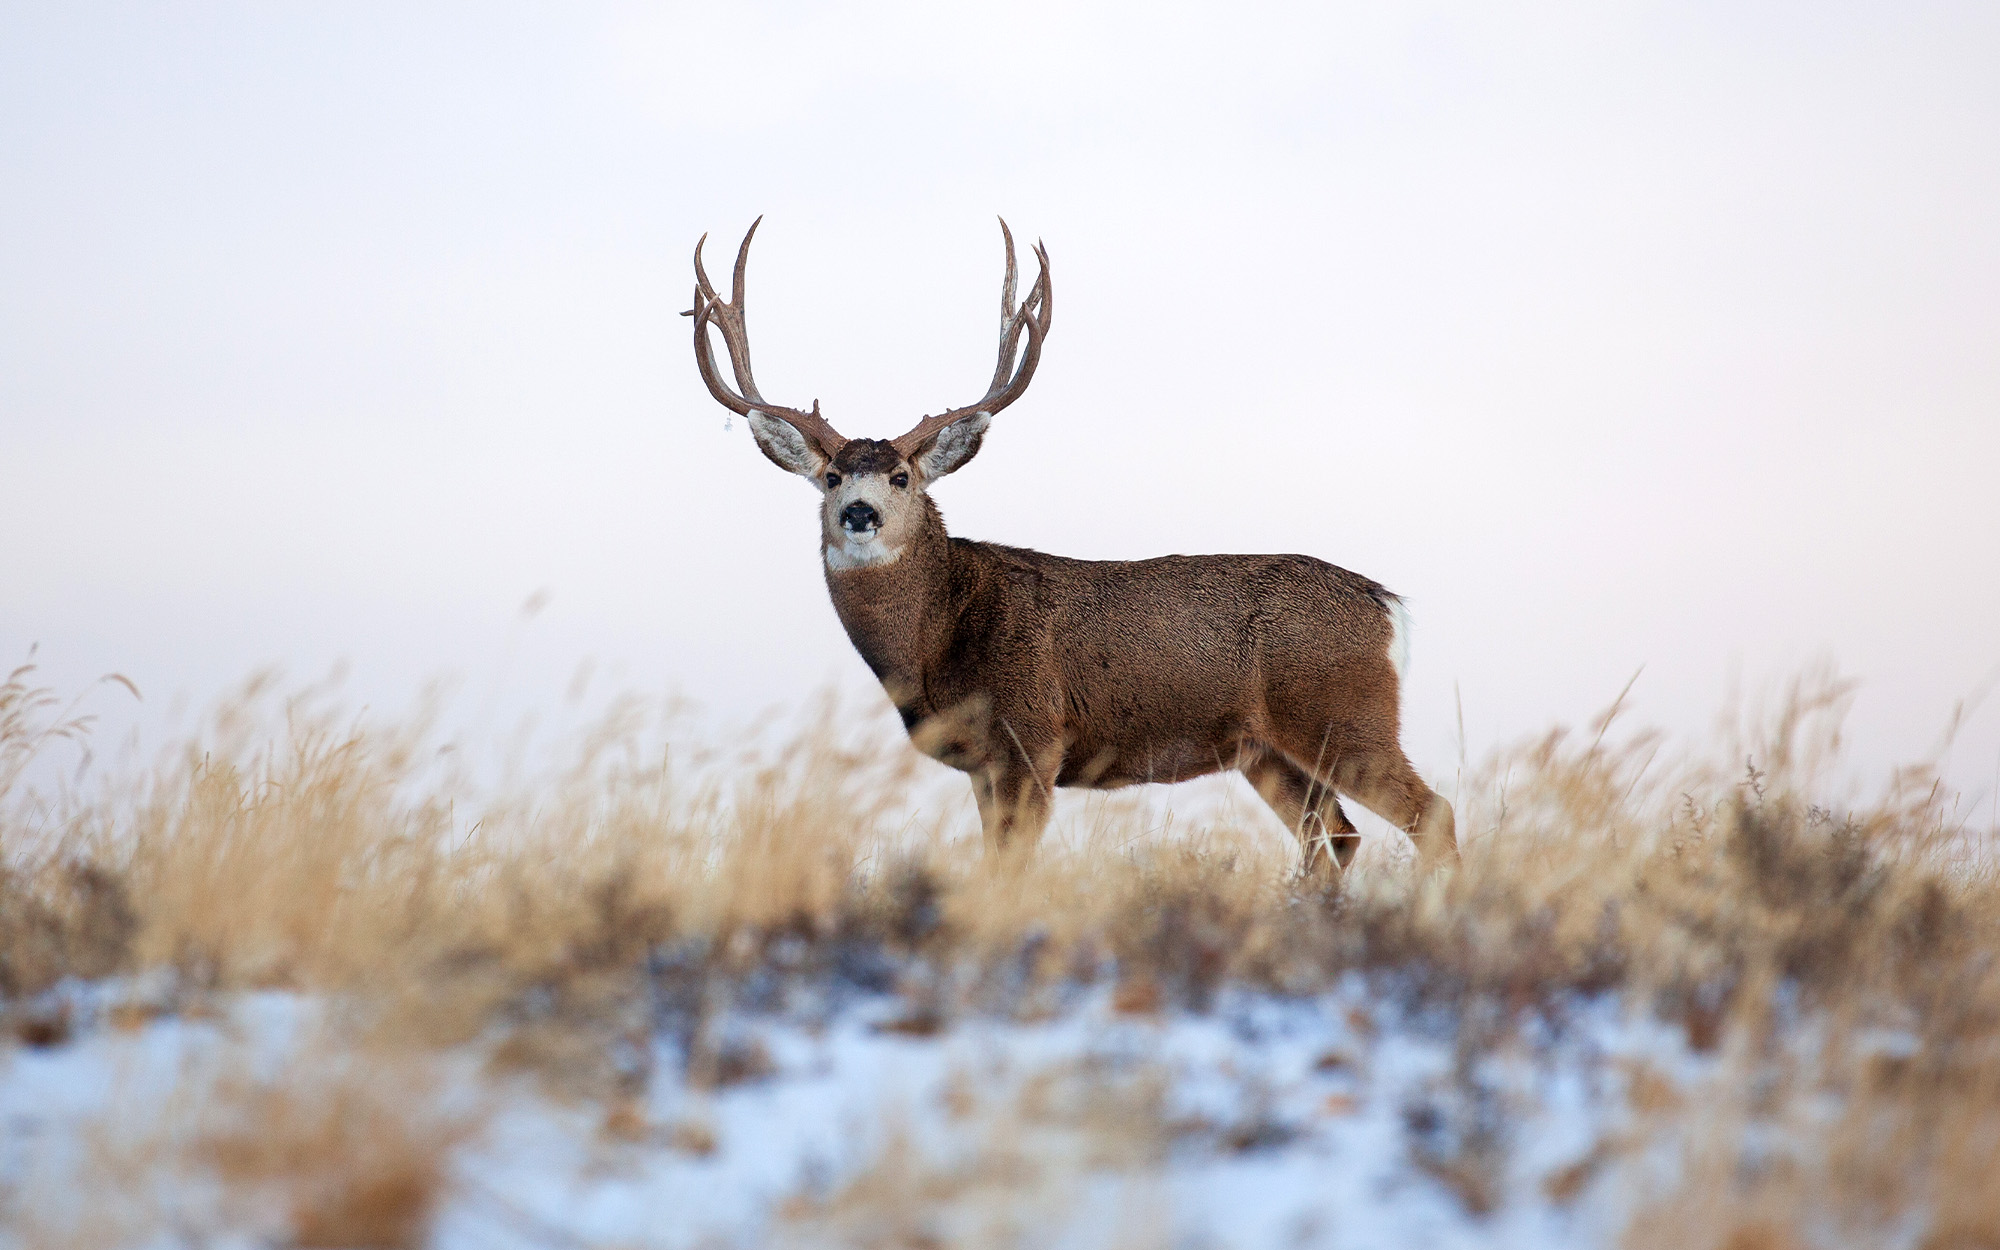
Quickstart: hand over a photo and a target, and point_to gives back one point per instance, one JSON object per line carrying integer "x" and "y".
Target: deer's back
{"x": 1160, "y": 664}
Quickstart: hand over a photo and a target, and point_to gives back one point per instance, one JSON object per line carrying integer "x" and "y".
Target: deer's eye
{"x": 832, "y": 480}
{"x": 900, "y": 480}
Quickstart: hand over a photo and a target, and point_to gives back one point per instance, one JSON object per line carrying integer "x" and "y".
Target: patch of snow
{"x": 1273, "y": 1122}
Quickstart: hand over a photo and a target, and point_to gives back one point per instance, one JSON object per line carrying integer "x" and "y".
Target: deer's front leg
{"x": 1013, "y": 793}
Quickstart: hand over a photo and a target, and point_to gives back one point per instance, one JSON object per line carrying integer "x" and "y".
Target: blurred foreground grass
{"x": 651, "y": 888}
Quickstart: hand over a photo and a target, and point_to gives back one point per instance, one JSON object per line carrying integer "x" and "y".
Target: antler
{"x": 728, "y": 317}
{"x": 1033, "y": 316}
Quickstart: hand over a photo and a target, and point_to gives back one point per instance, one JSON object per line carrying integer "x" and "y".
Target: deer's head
{"x": 872, "y": 491}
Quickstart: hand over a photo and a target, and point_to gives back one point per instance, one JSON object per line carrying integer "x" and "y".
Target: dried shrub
{"x": 69, "y": 920}
{"x": 333, "y": 1144}
{"x": 355, "y": 1157}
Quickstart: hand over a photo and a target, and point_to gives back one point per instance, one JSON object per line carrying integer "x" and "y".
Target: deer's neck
{"x": 899, "y": 614}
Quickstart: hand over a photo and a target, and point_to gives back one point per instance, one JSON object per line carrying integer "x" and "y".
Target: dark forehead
{"x": 866, "y": 455}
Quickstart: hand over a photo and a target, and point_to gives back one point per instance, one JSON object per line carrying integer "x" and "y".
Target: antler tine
{"x": 742, "y": 263}
{"x": 704, "y": 350}
{"x": 1009, "y": 380}
{"x": 710, "y": 309}
{"x": 1048, "y": 296}
{"x": 1010, "y": 325}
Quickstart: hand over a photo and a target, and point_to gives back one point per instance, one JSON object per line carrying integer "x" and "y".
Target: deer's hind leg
{"x": 1385, "y": 782}
{"x": 1310, "y": 808}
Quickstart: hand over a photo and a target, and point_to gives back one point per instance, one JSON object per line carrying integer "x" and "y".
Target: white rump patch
{"x": 860, "y": 551}
{"x": 1399, "y": 637}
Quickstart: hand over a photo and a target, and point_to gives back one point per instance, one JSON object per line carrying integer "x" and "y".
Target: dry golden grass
{"x": 647, "y": 888}
{"x": 337, "y": 1147}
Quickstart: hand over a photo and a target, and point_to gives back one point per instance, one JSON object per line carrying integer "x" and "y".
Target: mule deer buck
{"x": 1031, "y": 672}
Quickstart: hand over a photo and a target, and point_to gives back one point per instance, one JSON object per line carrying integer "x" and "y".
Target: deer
{"x": 1032, "y": 673}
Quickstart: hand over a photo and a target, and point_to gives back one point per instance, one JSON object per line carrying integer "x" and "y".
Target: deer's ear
{"x": 949, "y": 448}
{"x": 785, "y": 447}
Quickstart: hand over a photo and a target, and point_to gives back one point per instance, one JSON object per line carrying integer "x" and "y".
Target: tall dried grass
{"x": 651, "y": 887}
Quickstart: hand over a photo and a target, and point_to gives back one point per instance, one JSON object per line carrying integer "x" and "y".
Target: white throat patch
{"x": 860, "y": 551}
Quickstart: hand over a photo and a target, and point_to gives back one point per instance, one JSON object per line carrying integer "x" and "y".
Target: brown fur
{"x": 867, "y": 455}
{"x": 1032, "y": 672}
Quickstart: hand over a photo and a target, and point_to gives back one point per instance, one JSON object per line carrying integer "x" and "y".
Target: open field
{"x": 291, "y": 985}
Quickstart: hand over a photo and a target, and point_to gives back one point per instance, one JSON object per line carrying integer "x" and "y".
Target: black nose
{"x": 860, "y": 516}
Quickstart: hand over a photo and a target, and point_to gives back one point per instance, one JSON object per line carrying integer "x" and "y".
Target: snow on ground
{"x": 1333, "y": 1120}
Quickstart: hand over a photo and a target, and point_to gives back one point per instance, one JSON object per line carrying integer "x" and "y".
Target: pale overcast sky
{"x": 1662, "y": 335}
